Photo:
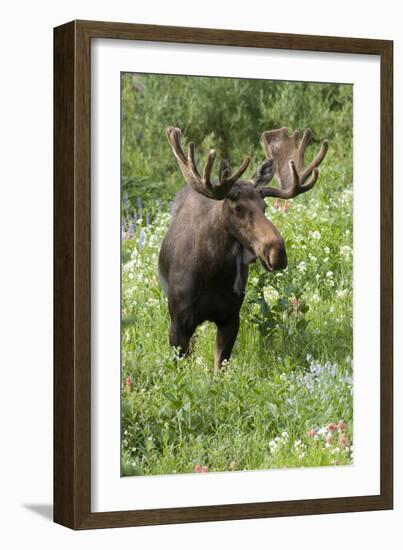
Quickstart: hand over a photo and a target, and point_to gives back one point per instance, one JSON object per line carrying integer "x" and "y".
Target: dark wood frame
{"x": 72, "y": 319}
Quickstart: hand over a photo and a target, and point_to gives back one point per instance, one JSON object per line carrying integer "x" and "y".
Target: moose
{"x": 219, "y": 227}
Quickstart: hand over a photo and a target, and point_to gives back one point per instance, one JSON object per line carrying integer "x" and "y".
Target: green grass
{"x": 291, "y": 369}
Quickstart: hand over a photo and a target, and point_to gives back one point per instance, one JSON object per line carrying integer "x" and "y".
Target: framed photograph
{"x": 222, "y": 275}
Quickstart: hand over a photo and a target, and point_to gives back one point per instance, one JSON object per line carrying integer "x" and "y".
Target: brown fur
{"x": 204, "y": 259}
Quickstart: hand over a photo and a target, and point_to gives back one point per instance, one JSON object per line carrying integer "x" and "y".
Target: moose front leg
{"x": 179, "y": 338}
{"x": 226, "y": 336}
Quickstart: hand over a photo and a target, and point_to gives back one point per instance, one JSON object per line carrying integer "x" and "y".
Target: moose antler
{"x": 288, "y": 153}
{"x": 203, "y": 184}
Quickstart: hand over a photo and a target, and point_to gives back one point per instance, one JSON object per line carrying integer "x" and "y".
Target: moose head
{"x": 243, "y": 205}
{"x": 219, "y": 227}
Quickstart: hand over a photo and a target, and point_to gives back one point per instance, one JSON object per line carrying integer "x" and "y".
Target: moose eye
{"x": 238, "y": 209}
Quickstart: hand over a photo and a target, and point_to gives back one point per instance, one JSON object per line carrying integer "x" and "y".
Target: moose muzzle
{"x": 274, "y": 256}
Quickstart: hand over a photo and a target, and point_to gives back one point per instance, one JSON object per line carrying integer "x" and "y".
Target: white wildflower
{"x": 270, "y": 295}
{"x": 341, "y": 293}
{"x": 346, "y": 251}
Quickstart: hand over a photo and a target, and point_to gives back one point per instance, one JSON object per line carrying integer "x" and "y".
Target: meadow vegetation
{"x": 285, "y": 397}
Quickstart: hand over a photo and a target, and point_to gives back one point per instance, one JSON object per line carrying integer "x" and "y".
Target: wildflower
{"x": 199, "y": 469}
{"x": 315, "y": 298}
{"x": 341, "y": 426}
{"x": 286, "y": 206}
{"x": 232, "y": 465}
{"x": 343, "y": 441}
{"x": 326, "y": 250}
{"x": 301, "y": 267}
{"x": 295, "y": 303}
{"x": 322, "y": 431}
{"x": 341, "y": 293}
{"x": 312, "y": 432}
{"x": 270, "y": 295}
{"x": 332, "y": 427}
{"x": 277, "y": 204}
{"x": 315, "y": 235}
{"x": 284, "y": 435}
{"x": 131, "y": 229}
{"x": 329, "y": 274}
{"x": 128, "y": 384}
{"x": 142, "y": 239}
{"x": 329, "y": 439}
{"x": 126, "y": 201}
{"x": 345, "y": 251}
{"x": 273, "y": 446}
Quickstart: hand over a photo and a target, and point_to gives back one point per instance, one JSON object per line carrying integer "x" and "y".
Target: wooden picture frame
{"x": 72, "y": 272}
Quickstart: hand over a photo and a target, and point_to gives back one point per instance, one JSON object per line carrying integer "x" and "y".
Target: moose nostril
{"x": 278, "y": 258}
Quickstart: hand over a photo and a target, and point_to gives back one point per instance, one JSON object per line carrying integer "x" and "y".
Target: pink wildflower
{"x": 296, "y": 303}
{"x": 286, "y": 206}
{"x": 197, "y": 469}
{"x": 343, "y": 441}
{"x": 341, "y": 426}
{"x": 277, "y": 204}
{"x": 204, "y": 469}
{"x": 312, "y": 432}
{"x": 128, "y": 384}
{"x": 329, "y": 438}
{"x": 332, "y": 427}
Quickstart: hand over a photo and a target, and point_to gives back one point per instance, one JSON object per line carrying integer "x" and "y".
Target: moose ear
{"x": 264, "y": 173}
